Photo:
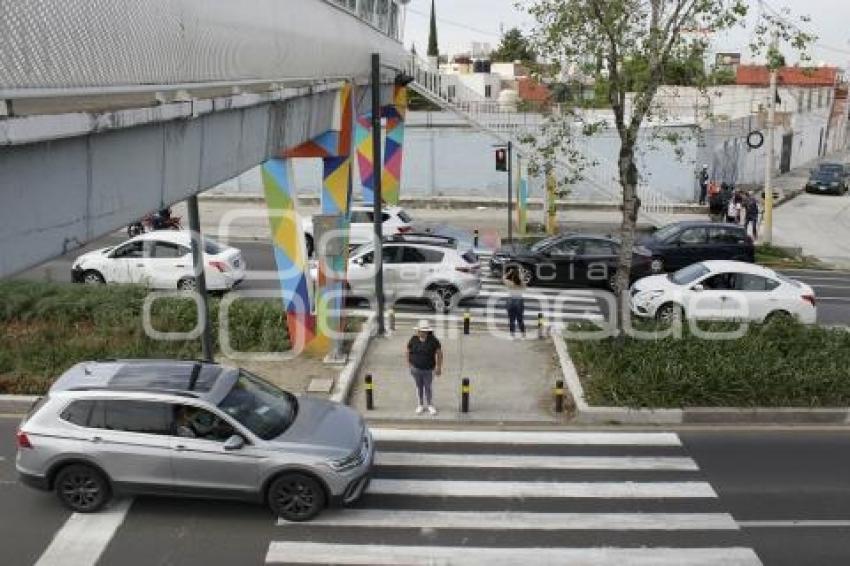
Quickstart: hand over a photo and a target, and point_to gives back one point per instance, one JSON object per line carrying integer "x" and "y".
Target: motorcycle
{"x": 153, "y": 221}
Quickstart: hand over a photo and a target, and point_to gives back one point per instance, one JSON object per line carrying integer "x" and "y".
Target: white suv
{"x": 160, "y": 260}
{"x": 417, "y": 267}
{"x": 395, "y": 219}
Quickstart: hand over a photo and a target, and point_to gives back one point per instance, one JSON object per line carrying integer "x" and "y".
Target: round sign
{"x": 755, "y": 140}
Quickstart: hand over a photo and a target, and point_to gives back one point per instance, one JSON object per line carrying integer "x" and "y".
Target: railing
{"x": 506, "y": 123}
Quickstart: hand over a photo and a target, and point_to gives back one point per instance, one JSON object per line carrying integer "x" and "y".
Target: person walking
{"x": 424, "y": 358}
{"x": 516, "y": 303}
{"x": 733, "y": 211}
{"x": 751, "y": 209}
{"x": 703, "y": 183}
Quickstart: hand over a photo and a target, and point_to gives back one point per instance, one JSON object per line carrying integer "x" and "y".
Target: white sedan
{"x": 160, "y": 260}
{"x": 723, "y": 290}
{"x": 362, "y": 229}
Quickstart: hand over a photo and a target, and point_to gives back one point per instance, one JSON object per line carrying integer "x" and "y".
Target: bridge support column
{"x": 394, "y": 146}
{"x": 365, "y": 155}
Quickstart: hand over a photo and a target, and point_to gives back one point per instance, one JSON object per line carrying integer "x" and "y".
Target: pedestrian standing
{"x": 516, "y": 303}
{"x": 424, "y": 358}
{"x": 703, "y": 183}
{"x": 733, "y": 211}
{"x": 751, "y": 209}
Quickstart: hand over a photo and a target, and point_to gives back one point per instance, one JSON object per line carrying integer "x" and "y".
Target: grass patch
{"x": 783, "y": 364}
{"x": 46, "y": 327}
{"x": 777, "y": 257}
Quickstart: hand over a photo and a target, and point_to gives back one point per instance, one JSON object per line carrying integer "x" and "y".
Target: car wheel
{"x": 93, "y": 277}
{"x": 296, "y": 497}
{"x": 441, "y": 298}
{"x": 187, "y": 284}
{"x": 311, "y": 246}
{"x": 82, "y": 489}
{"x": 669, "y": 313}
{"x": 657, "y": 265}
{"x": 778, "y": 317}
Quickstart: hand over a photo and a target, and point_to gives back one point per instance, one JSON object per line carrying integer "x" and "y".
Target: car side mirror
{"x": 699, "y": 287}
{"x": 235, "y": 442}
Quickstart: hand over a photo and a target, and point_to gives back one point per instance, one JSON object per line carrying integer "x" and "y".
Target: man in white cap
{"x": 703, "y": 183}
{"x": 425, "y": 358}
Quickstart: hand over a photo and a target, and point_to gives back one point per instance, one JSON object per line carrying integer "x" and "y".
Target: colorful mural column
{"x": 521, "y": 198}
{"x": 394, "y": 116}
{"x": 365, "y": 155}
{"x": 313, "y": 332}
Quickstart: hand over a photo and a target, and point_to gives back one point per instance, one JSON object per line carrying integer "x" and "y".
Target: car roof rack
{"x": 126, "y": 389}
{"x": 421, "y": 237}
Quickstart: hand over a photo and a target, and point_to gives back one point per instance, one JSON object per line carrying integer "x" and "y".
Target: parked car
{"x": 723, "y": 290}
{"x": 395, "y": 221}
{"x": 828, "y": 178}
{"x": 160, "y": 260}
{"x": 416, "y": 266}
{"x": 193, "y": 429}
{"x": 569, "y": 260}
{"x": 465, "y": 239}
{"x": 680, "y": 244}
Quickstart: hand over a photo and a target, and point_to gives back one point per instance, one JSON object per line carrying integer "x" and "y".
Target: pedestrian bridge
{"x": 110, "y": 109}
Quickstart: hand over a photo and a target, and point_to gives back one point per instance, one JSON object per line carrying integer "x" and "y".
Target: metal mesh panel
{"x": 99, "y": 43}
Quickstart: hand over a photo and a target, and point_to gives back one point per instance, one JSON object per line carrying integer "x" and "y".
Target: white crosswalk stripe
{"x": 492, "y": 498}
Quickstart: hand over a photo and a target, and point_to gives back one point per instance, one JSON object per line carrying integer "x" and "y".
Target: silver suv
{"x": 166, "y": 427}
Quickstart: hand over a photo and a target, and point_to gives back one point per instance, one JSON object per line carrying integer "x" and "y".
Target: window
{"x": 748, "y": 282}
{"x": 137, "y": 416}
{"x": 77, "y": 413}
{"x": 212, "y": 247}
{"x": 193, "y": 422}
{"x": 809, "y": 102}
{"x": 720, "y": 282}
{"x": 404, "y": 216}
{"x": 384, "y": 217}
{"x": 693, "y": 236}
{"x": 599, "y": 247}
{"x": 421, "y": 255}
{"x": 566, "y": 247}
{"x": 725, "y": 235}
{"x": 394, "y": 21}
{"x": 688, "y": 274}
{"x": 366, "y": 9}
{"x": 383, "y": 14}
{"x": 488, "y": 91}
{"x": 129, "y": 251}
{"x": 820, "y": 98}
{"x": 470, "y": 257}
{"x": 361, "y": 217}
{"x": 452, "y": 92}
{"x": 259, "y": 406}
{"x": 168, "y": 250}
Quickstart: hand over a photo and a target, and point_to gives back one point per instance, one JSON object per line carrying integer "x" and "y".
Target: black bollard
{"x": 370, "y": 402}
{"x": 559, "y": 396}
{"x": 392, "y": 319}
{"x": 540, "y": 324}
{"x": 464, "y": 395}
{"x": 467, "y": 319}
{"x": 475, "y": 239}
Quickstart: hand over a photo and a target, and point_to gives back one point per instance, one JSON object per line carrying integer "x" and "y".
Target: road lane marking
{"x": 794, "y": 523}
{"x": 548, "y": 490}
{"x": 84, "y": 536}
{"x": 426, "y": 459}
{"x": 406, "y": 518}
{"x": 528, "y": 437}
{"x": 347, "y": 554}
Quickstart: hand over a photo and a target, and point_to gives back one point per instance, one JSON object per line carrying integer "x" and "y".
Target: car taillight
{"x": 220, "y": 265}
{"x": 809, "y": 299}
{"x": 405, "y": 229}
{"x": 23, "y": 440}
{"x": 467, "y": 268}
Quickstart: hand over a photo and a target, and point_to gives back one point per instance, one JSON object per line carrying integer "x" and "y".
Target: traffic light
{"x": 501, "y": 159}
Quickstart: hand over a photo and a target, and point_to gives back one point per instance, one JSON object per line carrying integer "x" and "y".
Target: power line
{"x": 776, "y": 13}
{"x": 454, "y": 23}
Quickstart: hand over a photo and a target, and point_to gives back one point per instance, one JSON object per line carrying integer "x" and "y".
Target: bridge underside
{"x": 107, "y": 170}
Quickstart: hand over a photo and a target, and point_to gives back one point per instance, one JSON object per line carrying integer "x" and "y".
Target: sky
{"x": 461, "y": 22}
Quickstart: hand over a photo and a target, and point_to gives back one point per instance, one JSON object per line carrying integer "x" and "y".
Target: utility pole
{"x": 510, "y": 192}
{"x": 767, "y": 233}
{"x": 377, "y": 170}
{"x": 199, "y": 265}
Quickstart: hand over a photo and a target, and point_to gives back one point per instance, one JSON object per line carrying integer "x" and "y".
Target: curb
{"x": 347, "y": 376}
{"x": 16, "y": 404}
{"x": 587, "y": 414}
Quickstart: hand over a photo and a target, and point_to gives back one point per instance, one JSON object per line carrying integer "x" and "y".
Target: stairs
{"x": 507, "y": 125}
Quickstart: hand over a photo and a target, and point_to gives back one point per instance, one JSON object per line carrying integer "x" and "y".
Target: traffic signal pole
{"x": 377, "y": 189}
{"x": 510, "y": 193}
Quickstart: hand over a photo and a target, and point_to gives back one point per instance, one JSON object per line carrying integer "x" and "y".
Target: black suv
{"x": 570, "y": 260}
{"x": 678, "y": 245}
{"x": 828, "y": 178}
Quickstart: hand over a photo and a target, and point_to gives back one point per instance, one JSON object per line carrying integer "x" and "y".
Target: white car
{"x": 418, "y": 267}
{"x": 723, "y": 290}
{"x": 160, "y": 260}
{"x": 396, "y": 221}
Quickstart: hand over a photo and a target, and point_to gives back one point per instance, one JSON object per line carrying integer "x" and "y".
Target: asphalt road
{"x": 831, "y": 287}
{"x": 699, "y": 497}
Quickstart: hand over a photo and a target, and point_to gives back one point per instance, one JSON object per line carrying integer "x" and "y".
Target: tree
{"x": 433, "y": 49}
{"x": 514, "y": 47}
{"x": 637, "y": 42}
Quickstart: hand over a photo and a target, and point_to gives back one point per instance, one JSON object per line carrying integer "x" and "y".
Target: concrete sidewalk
{"x": 511, "y": 381}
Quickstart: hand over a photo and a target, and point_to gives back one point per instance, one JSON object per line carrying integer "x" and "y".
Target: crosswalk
{"x": 502, "y": 497}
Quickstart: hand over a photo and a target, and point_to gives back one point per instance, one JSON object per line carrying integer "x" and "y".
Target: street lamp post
{"x": 376, "y": 177}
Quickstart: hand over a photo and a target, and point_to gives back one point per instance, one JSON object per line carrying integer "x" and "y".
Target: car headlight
{"x": 834, "y": 183}
{"x": 351, "y": 461}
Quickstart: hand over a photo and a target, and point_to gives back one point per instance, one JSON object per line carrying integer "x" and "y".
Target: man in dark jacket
{"x": 425, "y": 358}
{"x": 703, "y": 184}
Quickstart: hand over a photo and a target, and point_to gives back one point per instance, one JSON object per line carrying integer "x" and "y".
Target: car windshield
{"x": 260, "y": 407}
{"x": 689, "y": 274}
{"x": 664, "y": 233}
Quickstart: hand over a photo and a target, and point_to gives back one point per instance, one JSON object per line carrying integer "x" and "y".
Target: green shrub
{"x": 773, "y": 365}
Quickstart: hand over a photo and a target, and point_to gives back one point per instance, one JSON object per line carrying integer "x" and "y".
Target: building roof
{"x": 758, "y": 75}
